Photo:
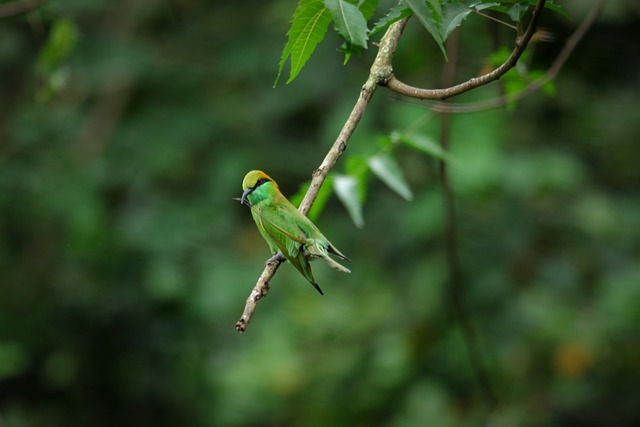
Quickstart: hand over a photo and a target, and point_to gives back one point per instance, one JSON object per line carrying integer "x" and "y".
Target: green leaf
{"x": 309, "y": 26}
{"x": 349, "y": 22}
{"x": 321, "y": 199}
{"x": 367, "y": 7}
{"x": 385, "y": 167}
{"x": 52, "y": 64}
{"x": 517, "y": 11}
{"x": 356, "y": 166}
{"x": 385, "y": 142}
{"x": 395, "y": 14}
{"x": 429, "y": 14}
{"x": 346, "y": 188}
{"x": 477, "y": 6}
{"x": 453, "y": 13}
{"x": 61, "y": 42}
{"x": 424, "y": 145}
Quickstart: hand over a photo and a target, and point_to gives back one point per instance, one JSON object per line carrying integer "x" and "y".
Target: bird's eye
{"x": 260, "y": 182}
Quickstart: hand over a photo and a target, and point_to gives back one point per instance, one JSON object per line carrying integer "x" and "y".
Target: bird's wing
{"x": 279, "y": 222}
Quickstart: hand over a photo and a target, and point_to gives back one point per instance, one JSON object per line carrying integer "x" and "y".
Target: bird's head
{"x": 251, "y": 182}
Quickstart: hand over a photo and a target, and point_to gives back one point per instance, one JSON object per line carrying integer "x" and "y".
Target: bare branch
{"x": 456, "y": 276}
{"x": 550, "y": 74}
{"x": 380, "y": 72}
{"x": 18, "y": 7}
{"x": 397, "y": 86}
{"x": 257, "y": 293}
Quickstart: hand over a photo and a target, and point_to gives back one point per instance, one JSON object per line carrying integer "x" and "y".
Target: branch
{"x": 550, "y": 74}
{"x": 402, "y": 88}
{"x": 18, "y": 7}
{"x": 380, "y": 73}
{"x": 456, "y": 276}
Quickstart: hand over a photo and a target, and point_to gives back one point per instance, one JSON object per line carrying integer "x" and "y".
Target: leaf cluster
{"x": 350, "y": 18}
{"x": 352, "y": 186}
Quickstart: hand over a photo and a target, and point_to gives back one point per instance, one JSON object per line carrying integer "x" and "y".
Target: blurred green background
{"x": 125, "y": 130}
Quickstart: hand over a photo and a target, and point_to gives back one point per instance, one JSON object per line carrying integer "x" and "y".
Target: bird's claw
{"x": 277, "y": 258}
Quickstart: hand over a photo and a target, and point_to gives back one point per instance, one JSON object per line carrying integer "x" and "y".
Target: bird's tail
{"x": 318, "y": 250}
{"x": 335, "y": 265}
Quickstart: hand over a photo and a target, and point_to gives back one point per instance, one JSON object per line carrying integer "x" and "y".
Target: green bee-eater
{"x": 286, "y": 230}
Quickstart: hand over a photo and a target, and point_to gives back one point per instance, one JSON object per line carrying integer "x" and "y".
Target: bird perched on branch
{"x": 290, "y": 235}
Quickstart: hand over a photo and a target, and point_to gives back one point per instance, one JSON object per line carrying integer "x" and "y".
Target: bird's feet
{"x": 278, "y": 258}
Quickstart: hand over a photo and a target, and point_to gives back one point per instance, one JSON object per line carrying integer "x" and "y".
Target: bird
{"x": 290, "y": 235}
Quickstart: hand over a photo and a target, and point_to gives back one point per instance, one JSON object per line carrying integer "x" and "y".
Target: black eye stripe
{"x": 260, "y": 182}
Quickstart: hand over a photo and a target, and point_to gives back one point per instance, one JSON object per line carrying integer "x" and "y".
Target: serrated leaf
{"x": 429, "y": 14}
{"x": 385, "y": 167}
{"x": 346, "y": 188}
{"x": 453, "y": 13}
{"x": 367, "y": 7}
{"x": 349, "y": 22}
{"x": 517, "y": 8}
{"x": 481, "y": 6}
{"x": 395, "y": 14}
{"x": 321, "y": 199}
{"x": 309, "y": 26}
{"x": 436, "y": 5}
{"x": 425, "y": 145}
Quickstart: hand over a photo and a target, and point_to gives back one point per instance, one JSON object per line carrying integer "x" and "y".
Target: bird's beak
{"x": 243, "y": 199}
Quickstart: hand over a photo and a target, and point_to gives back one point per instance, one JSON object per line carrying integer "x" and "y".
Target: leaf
{"x": 395, "y": 14}
{"x": 349, "y": 22}
{"x": 517, "y": 11}
{"x": 429, "y": 14}
{"x": 309, "y": 26}
{"x": 453, "y": 13}
{"x": 356, "y": 166}
{"x": 321, "y": 199}
{"x": 481, "y": 6}
{"x": 61, "y": 42}
{"x": 385, "y": 167}
{"x": 346, "y": 188}
{"x": 52, "y": 64}
{"x": 367, "y": 7}
{"x": 425, "y": 145}
{"x": 556, "y": 8}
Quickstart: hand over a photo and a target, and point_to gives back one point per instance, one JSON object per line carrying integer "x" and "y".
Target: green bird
{"x": 289, "y": 233}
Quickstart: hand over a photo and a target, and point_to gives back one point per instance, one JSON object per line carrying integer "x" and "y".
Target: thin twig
{"x": 484, "y": 15}
{"x": 551, "y": 73}
{"x": 397, "y": 86}
{"x": 380, "y": 72}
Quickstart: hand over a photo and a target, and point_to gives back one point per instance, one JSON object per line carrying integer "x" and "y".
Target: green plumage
{"x": 285, "y": 229}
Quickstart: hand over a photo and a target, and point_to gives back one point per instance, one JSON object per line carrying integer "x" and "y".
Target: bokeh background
{"x": 125, "y": 263}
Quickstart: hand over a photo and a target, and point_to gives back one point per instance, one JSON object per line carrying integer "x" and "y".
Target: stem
{"x": 397, "y": 86}
{"x": 550, "y": 74}
{"x": 456, "y": 278}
